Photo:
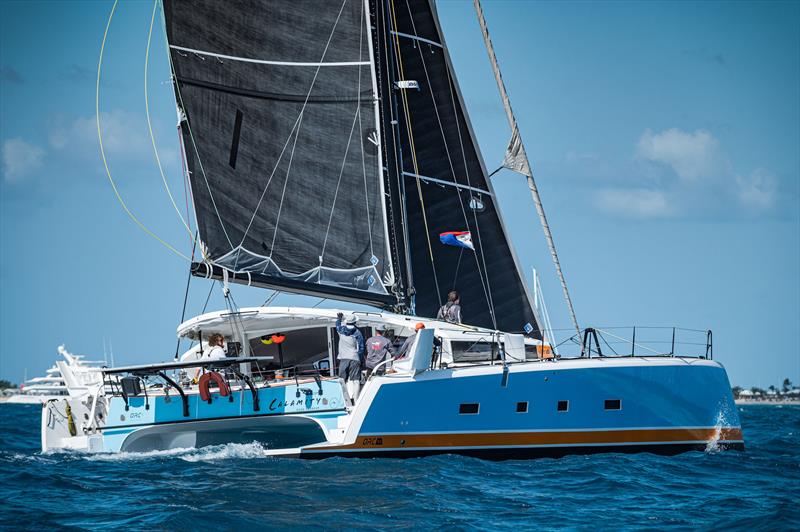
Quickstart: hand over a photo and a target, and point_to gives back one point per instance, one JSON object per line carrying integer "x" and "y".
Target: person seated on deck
{"x": 379, "y": 349}
{"x": 403, "y": 351}
{"x": 216, "y": 351}
{"x": 351, "y": 354}
{"x": 450, "y": 311}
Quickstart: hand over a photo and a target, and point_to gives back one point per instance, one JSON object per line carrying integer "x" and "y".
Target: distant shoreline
{"x": 767, "y": 402}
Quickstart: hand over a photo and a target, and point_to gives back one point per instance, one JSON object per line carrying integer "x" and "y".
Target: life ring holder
{"x": 205, "y": 382}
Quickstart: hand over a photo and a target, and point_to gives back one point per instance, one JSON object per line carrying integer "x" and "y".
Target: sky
{"x": 664, "y": 138}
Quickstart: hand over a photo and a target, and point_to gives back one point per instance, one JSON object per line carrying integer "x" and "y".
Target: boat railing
{"x": 638, "y": 341}
{"x": 179, "y": 377}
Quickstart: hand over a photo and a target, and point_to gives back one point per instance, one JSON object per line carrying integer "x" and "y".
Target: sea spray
{"x": 725, "y": 419}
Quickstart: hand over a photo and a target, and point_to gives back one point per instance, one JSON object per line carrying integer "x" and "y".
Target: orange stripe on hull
{"x": 602, "y": 437}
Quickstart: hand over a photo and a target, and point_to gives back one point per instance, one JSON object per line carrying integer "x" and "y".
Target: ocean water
{"x": 236, "y": 487}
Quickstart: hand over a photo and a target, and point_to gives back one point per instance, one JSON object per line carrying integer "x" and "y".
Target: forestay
{"x": 282, "y": 143}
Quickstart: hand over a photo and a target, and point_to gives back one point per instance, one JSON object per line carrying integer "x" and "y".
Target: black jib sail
{"x": 282, "y": 143}
{"x": 442, "y": 176}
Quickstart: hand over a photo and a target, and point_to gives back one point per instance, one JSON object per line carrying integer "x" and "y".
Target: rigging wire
{"x": 484, "y": 275}
{"x": 150, "y": 125}
{"x": 360, "y": 129}
{"x": 297, "y": 125}
{"x": 270, "y": 299}
{"x": 338, "y": 183}
{"x": 179, "y": 98}
{"x": 414, "y": 154}
{"x": 185, "y": 299}
{"x": 529, "y": 174}
{"x": 102, "y": 148}
{"x": 208, "y": 297}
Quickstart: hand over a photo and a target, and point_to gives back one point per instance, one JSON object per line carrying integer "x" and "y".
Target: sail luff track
{"x": 522, "y": 165}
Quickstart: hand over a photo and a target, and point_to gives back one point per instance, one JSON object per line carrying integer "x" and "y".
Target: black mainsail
{"x": 328, "y": 147}
{"x": 282, "y": 143}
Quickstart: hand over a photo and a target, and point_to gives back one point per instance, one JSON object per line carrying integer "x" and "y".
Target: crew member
{"x": 403, "y": 351}
{"x": 379, "y": 349}
{"x": 216, "y": 351}
{"x": 216, "y": 344}
{"x": 451, "y": 311}
{"x": 351, "y": 354}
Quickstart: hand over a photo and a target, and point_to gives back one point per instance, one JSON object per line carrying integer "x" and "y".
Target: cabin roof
{"x": 263, "y": 320}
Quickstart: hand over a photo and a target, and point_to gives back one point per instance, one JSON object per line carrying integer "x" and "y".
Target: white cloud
{"x": 124, "y": 134}
{"x": 634, "y": 202}
{"x": 20, "y": 158}
{"x": 678, "y": 173}
{"x": 758, "y": 190}
{"x": 693, "y": 156}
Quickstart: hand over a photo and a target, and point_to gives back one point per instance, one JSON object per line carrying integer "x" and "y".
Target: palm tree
{"x": 787, "y": 385}
{"x": 736, "y": 391}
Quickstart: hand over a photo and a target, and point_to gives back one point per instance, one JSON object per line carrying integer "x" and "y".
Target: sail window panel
{"x": 268, "y": 207}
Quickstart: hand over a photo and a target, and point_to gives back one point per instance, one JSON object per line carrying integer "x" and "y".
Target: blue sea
{"x": 235, "y": 487}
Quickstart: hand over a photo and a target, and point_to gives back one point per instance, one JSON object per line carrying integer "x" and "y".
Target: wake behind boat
{"x": 330, "y": 153}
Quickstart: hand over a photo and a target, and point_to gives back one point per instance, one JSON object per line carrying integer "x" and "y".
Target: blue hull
{"x": 550, "y": 409}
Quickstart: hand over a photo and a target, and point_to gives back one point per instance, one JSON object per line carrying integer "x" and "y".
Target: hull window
{"x": 522, "y": 407}
{"x": 468, "y": 408}
{"x": 563, "y": 406}
{"x": 613, "y": 404}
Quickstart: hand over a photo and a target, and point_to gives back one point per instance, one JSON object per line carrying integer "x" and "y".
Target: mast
{"x": 516, "y": 159}
{"x": 394, "y": 159}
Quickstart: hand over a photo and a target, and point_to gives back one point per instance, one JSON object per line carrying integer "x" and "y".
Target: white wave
{"x": 712, "y": 446}
{"x": 224, "y": 452}
{"x": 191, "y": 454}
{"x": 144, "y": 455}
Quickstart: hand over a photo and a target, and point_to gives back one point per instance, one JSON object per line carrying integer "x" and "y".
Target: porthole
{"x": 613, "y": 404}
{"x": 469, "y": 408}
{"x": 522, "y": 407}
{"x": 563, "y": 406}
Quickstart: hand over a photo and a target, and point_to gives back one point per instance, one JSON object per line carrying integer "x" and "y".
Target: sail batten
{"x": 268, "y": 62}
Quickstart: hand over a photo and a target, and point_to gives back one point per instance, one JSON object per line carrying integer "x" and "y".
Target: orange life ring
{"x": 205, "y": 382}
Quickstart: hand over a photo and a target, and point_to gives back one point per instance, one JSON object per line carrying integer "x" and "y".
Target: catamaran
{"x": 330, "y": 154}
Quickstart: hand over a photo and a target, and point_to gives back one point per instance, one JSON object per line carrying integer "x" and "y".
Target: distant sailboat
{"x": 330, "y": 153}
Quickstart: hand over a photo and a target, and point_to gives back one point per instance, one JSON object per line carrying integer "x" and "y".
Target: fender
{"x": 205, "y": 381}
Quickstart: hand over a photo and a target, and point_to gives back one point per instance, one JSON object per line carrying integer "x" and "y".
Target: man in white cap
{"x": 351, "y": 354}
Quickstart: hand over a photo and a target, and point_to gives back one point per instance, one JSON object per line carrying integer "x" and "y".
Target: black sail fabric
{"x": 281, "y": 141}
{"x": 444, "y": 180}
